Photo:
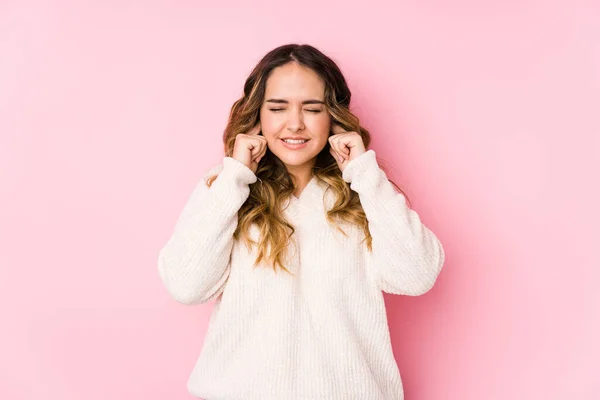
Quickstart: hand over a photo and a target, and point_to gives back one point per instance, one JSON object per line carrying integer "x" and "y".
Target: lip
{"x": 295, "y": 146}
{"x": 295, "y": 138}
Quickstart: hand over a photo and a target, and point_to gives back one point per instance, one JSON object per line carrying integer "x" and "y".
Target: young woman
{"x": 295, "y": 235}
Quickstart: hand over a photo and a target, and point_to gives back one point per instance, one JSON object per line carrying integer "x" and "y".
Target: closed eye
{"x": 282, "y": 109}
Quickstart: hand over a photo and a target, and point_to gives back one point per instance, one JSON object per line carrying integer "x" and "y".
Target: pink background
{"x": 487, "y": 112}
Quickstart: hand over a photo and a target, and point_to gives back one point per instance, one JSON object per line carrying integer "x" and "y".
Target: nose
{"x": 295, "y": 122}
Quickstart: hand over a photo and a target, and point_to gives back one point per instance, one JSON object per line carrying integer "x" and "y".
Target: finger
{"x": 338, "y": 144}
{"x": 342, "y": 145}
{"x": 261, "y": 153}
{"x": 339, "y": 156}
{"x": 334, "y": 154}
{"x": 334, "y": 147}
{"x": 254, "y": 148}
{"x": 259, "y": 148}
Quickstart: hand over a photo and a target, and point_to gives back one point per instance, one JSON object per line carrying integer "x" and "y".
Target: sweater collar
{"x": 311, "y": 196}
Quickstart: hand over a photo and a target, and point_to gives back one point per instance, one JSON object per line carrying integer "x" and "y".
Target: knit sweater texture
{"x": 321, "y": 334}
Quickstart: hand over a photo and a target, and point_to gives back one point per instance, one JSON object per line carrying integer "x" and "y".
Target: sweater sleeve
{"x": 194, "y": 264}
{"x": 407, "y": 257}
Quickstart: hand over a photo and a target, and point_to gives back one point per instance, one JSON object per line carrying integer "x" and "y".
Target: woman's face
{"x": 293, "y": 108}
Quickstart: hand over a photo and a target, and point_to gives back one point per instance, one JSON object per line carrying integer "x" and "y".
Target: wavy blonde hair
{"x": 275, "y": 185}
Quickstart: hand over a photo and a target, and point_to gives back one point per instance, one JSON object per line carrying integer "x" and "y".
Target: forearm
{"x": 407, "y": 257}
{"x": 194, "y": 262}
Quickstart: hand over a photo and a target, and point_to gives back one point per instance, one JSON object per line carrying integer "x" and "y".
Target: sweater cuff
{"x": 355, "y": 168}
{"x": 238, "y": 171}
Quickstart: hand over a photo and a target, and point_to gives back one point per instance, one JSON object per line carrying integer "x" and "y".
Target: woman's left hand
{"x": 345, "y": 146}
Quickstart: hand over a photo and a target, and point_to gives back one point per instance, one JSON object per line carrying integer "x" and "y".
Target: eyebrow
{"x": 282, "y": 101}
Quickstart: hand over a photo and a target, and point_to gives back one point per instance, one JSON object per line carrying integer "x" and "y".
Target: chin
{"x": 294, "y": 158}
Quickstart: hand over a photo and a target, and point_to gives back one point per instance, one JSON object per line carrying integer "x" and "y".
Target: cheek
{"x": 269, "y": 124}
{"x": 320, "y": 127}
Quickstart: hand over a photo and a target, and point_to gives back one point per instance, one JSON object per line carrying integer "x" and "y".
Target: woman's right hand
{"x": 250, "y": 147}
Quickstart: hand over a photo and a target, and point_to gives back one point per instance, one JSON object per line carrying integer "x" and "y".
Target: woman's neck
{"x": 302, "y": 175}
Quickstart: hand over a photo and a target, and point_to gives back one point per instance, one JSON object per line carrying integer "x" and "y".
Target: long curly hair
{"x": 275, "y": 185}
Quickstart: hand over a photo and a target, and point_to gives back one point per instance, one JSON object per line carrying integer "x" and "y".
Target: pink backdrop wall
{"x": 487, "y": 112}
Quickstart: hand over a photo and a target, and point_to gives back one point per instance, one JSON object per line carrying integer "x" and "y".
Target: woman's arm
{"x": 194, "y": 264}
{"x": 407, "y": 257}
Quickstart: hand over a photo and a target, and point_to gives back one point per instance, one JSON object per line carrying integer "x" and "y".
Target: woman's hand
{"x": 250, "y": 147}
{"x": 345, "y": 146}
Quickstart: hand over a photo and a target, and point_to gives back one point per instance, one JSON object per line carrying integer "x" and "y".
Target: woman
{"x": 295, "y": 235}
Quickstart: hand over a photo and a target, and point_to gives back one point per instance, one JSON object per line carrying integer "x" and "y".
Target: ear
{"x": 337, "y": 128}
{"x": 332, "y": 127}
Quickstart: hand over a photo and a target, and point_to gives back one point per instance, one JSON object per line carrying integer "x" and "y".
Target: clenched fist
{"x": 345, "y": 146}
{"x": 250, "y": 147}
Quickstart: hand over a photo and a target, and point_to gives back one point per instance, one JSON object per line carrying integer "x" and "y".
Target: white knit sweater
{"x": 322, "y": 334}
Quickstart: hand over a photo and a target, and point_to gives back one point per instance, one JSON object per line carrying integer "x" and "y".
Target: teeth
{"x": 291, "y": 141}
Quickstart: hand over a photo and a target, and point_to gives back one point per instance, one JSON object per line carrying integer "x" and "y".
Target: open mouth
{"x": 294, "y": 144}
{"x": 295, "y": 141}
